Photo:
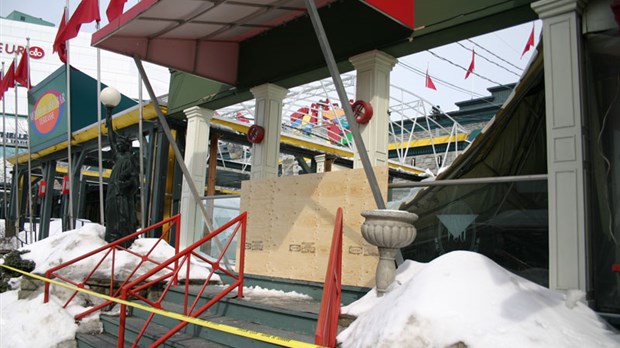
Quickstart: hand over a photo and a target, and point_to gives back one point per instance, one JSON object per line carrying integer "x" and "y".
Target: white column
{"x": 565, "y": 147}
{"x": 373, "y": 86}
{"x": 267, "y": 114}
{"x": 196, "y": 153}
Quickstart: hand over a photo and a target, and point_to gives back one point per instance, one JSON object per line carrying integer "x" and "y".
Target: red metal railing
{"x": 181, "y": 261}
{"x": 111, "y": 250}
{"x": 327, "y": 325}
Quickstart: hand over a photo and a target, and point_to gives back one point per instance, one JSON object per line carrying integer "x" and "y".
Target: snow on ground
{"x": 460, "y": 297}
{"x": 464, "y": 297}
{"x": 29, "y": 234}
{"x": 31, "y": 323}
{"x": 62, "y": 247}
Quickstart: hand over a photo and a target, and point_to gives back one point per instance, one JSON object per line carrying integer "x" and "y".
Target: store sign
{"x": 10, "y": 138}
{"x": 35, "y": 52}
{"x": 47, "y": 112}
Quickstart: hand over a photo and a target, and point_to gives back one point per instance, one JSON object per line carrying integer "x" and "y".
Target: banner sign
{"x": 48, "y": 112}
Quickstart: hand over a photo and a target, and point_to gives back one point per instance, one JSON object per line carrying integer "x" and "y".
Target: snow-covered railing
{"x": 327, "y": 325}
{"x": 182, "y": 261}
{"x": 108, "y": 252}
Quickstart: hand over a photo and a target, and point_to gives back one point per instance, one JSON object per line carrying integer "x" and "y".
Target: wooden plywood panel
{"x": 291, "y": 220}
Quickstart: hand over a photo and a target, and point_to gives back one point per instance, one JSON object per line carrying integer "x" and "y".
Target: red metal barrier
{"x": 132, "y": 290}
{"x": 327, "y": 325}
{"x": 111, "y": 250}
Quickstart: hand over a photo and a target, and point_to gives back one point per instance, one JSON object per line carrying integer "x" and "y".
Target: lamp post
{"x": 110, "y": 98}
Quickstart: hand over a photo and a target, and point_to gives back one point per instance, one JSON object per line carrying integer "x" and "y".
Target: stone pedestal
{"x": 389, "y": 230}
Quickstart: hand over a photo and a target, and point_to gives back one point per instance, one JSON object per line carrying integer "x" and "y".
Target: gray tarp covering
{"x": 497, "y": 220}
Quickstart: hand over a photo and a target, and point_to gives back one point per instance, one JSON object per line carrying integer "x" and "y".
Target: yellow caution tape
{"x": 259, "y": 336}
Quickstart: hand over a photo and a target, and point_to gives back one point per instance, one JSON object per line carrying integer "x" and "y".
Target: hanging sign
{"x": 47, "y": 111}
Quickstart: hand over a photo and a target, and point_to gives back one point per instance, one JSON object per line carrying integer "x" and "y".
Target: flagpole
{"x": 32, "y": 231}
{"x": 5, "y": 204}
{"x": 99, "y": 125}
{"x": 69, "y": 135}
{"x": 15, "y": 167}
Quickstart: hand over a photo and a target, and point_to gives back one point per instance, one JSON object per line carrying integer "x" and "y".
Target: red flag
{"x": 115, "y": 9}
{"x": 530, "y": 42}
{"x": 8, "y": 81}
{"x": 429, "y": 82}
{"x": 22, "y": 75}
{"x": 60, "y": 46}
{"x": 86, "y": 12}
{"x": 471, "y": 65}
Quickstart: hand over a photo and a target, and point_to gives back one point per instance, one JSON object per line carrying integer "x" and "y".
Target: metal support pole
{"x": 149, "y": 174}
{"x": 158, "y": 176}
{"x": 141, "y": 154}
{"x": 16, "y": 166}
{"x": 178, "y": 156}
{"x": 471, "y": 181}
{"x": 344, "y": 101}
{"x": 5, "y": 203}
{"x": 80, "y": 198}
{"x": 99, "y": 139}
{"x": 49, "y": 174}
{"x": 173, "y": 145}
{"x": 212, "y": 169}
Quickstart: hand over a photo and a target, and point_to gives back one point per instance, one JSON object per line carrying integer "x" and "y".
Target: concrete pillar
{"x": 267, "y": 114}
{"x": 196, "y": 153}
{"x": 373, "y": 85}
{"x": 565, "y": 147}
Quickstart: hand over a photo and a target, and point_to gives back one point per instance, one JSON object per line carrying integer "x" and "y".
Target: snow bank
{"x": 30, "y": 323}
{"x": 465, "y": 297}
{"x": 62, "y": 247}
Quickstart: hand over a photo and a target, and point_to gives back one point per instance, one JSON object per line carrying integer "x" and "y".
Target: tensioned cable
{"x": 422, "y": 73}
{"x": 462, "y": 67}
{"x": 437, "y": 79}
{"x": 490, "y": 61}
{"x": 495, "y": 55}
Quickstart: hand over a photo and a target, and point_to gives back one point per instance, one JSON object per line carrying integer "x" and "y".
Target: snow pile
{"x": 458, "y": 298}
{"x": 62, "y": 247}
{"x": 259, "y": 292}
{"x": 464, "y": 297}
{"x": 30, "y": 323}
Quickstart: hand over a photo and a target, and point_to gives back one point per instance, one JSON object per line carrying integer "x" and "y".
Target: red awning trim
{"x": 198, "y": 37}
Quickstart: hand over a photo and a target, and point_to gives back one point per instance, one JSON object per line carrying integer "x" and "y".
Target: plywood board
{"x": 291, "y": 221}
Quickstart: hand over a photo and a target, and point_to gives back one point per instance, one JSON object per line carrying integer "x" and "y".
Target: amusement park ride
{"x": 312, "y": 114}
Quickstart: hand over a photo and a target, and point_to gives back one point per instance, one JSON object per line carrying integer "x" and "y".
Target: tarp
{"x": 488, "y": 217}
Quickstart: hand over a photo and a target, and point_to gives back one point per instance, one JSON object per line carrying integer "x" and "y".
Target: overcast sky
{"x": 498, "y": 56}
